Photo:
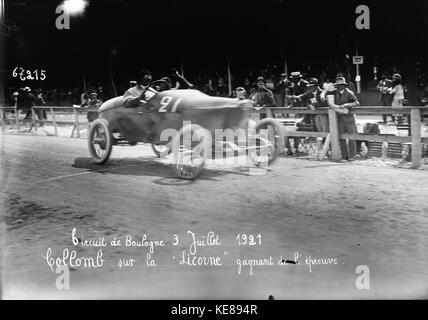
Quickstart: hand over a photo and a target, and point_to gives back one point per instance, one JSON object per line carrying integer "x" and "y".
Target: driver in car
{"x": 132, "y": 96}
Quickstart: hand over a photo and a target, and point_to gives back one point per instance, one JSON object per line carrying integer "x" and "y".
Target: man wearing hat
{"x": 385, "y": 97}
{"x": 15, "y": 97}
{"x": 283, "y": 88}
{"x": 344, "y": 99}
{"x": 263, "y": 97}
{"x": 297, "y": 87}
{"x": 312, "y": 100}
{"x": 28, "y": 101}
{"x": 397, "y": 92}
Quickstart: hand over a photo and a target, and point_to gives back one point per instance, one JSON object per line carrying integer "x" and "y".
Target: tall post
{"x": 229, "y": 77}
{"x": 285, "y": 101}
{"x": 84, "y": 83}
{"x": 357, "y": 67}
{"x": 182, "y": 66}
{"x": 285, "y": 62}
{"x": 2, "y": 54}
{"x": 415, "y": 118}
{"x": 113, "y": 85}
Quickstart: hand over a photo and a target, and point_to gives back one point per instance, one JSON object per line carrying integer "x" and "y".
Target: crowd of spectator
{"x": 214, "y": 85}
{"x": 264, "y": 88}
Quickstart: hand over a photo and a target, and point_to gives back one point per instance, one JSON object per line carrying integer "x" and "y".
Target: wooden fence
{"x": 332, "y": 137}
{"x": 53, "y": 112}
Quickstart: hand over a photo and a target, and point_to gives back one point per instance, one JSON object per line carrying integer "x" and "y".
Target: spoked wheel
{"x": 161, "y": 150}
{"x": 267, "y": 143}
{"x": 190, "y": 147}
{"x": 100, "y": 141}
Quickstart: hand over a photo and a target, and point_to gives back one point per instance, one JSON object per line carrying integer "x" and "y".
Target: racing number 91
{"x": 166, "y": 102}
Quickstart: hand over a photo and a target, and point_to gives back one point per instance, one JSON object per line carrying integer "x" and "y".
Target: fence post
{"x": 269, "y": 113}
{"x": 325, "y": 147}
{"x": 334, "y": 135}
{"x": 415, "y": 127}
{"x": 34, "y": 121}
{"x": 17, "y": 118}
{"x": 1, "y": 119}
{"x": 54, "y": 121}
{"x": 76, "y": 121}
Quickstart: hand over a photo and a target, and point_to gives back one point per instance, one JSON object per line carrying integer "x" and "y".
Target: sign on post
{"x": 357, "y": 59}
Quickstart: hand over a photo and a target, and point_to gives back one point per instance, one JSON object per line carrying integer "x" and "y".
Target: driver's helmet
{"x": 145, "y": 77}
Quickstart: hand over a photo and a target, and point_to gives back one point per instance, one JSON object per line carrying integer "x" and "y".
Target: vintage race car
{"x": 164, "y": 118}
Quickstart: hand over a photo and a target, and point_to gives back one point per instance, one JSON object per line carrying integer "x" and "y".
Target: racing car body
{"x": 169, "y": 110}
{"x": 179, "y": 110}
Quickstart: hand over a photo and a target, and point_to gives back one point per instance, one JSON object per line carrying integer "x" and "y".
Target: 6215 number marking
{"x": 24, "y": 74}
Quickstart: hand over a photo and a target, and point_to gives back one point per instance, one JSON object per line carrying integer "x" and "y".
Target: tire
{"x": 274, "y": 144}
{"x": 100, "y": 141}
{"x": 190, "y": 160}
{"x": 160, "y": 149}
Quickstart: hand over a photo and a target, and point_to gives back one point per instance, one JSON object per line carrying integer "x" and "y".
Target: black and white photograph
{"x": 213, "y": 150}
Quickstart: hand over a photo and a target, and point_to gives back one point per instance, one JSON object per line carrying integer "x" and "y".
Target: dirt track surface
{"x": 359, "y": 215}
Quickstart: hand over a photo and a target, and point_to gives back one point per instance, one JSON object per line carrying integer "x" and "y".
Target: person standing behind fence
{"x": 296, "y": 87}
{"x": 385, "y": 97}
{"x": 263, "y": 97}
{"x": 15, "y": 96}
{"x": 28, "y": 101}
{"x": 344, "y": 98}
{"x": 40, "y": 102}
{"x": 327, "y": 84}
{"x": 283, "y": 88}
{"x": 93, "y": 103}
{"x": 397, "y": 91}
{"x": 312, "y": 100}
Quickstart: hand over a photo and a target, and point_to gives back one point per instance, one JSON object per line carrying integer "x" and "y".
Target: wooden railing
{"x": 416, "y": 114}
{"x": 332, "y": 137}
{"x": 53, "y": 111}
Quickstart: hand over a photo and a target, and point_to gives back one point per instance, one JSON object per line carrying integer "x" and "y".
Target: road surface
{"x": 369, "y": 224}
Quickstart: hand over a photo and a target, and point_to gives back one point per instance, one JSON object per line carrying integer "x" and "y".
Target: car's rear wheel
{"x": 100, "y": 141}
{"x": 190, "y": 147}
{"x": 267, "y": 143}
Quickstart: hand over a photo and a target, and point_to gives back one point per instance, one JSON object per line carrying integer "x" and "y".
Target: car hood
{"x": 190, "y": 100}
{"x": 194, "y": 99}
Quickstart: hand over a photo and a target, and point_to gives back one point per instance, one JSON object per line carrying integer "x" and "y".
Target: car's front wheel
{"x": 100, "y": 141}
